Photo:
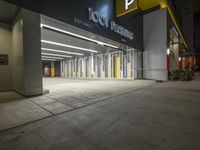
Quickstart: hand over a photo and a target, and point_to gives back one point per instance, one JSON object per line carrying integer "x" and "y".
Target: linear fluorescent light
{"x": 61, "y": 51}
{"x": 49, "y": 57}
{"x": 48, "y": 54}
{"x": 69, "y": 46}
{"x": 79, "y": 36}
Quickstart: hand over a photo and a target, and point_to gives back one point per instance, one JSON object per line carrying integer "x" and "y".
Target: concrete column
{"x": 26, "y": 46}
{"x": 92, "y": 66}
{"x": 79, "y": 68}
{"x": 69, "y": 68}
{"x": 129, "y": 64}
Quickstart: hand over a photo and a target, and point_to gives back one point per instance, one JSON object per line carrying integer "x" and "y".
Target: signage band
{"x": 103, "y": 21}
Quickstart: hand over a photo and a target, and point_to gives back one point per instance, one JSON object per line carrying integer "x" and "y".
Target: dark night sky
{"x": 196, "y": 5}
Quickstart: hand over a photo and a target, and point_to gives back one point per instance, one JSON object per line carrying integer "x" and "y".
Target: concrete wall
{"x": 155, "y": 45}
{"x": 26, "y": 53}
{"x": 17, "y": 54}
{"x": 5, "y": 48}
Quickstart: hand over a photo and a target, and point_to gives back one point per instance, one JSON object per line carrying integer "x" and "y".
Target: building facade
{"x": 95, "y": 39}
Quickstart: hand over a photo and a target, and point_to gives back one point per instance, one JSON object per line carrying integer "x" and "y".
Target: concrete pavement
{"x": 15, "y": 110}
{"x": 158, "y": 117}
{"x": 65, "y": 95}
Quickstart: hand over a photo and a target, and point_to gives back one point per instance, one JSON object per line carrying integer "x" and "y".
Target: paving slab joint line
{"x": 52, "y": 114}
{"x": 61, "y": 102}
{"x": 24, "y": 124}
{"x": 105, "y": 99}
{"x": 41, "y": 107}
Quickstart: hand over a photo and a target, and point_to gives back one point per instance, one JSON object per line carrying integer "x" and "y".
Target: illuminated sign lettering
{"x": 121, "y": 30}
{"x": 96, "y": 17}
{"x": 128, "y": 3}
{"x": 125, "y": 6}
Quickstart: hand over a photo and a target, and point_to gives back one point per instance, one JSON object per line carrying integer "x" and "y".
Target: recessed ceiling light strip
{"x": 48, "y": 54}
{"x": 49, "y": 57}
{"x": 79, "y": 36}
{"x": 46, "y": 59}
{"x": 69, "y": 46}
{"x": 61, "y": 51}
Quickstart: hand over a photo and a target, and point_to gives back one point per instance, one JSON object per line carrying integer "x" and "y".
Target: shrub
{"x": 181, "y": 75}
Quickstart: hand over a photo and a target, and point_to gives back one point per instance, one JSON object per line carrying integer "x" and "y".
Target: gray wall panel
{"x": 6, "y": 48}
{"x": 155, "y": 45}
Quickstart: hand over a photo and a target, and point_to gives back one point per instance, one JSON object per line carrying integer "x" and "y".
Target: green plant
{"x": 174, "y": 75}
{"x": 172, "y": 53}
{"x": 183, "y": 75}
{"x": 188, "y": 73}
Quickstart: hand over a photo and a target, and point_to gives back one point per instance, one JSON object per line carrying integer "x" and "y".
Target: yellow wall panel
{"x": 123, "y": 8}
{"x": 115, "y": 66}
{"x": 52, "y": 72}
{"x": 147, "y": 4}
